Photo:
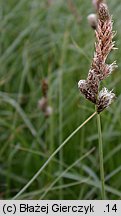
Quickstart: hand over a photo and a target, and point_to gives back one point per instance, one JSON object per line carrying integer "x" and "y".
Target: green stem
{"x": 101, "y": 157}
{"x": 52, "y": 156}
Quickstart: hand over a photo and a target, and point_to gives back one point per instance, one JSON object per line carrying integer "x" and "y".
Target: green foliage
{"x": 39, "y": 41}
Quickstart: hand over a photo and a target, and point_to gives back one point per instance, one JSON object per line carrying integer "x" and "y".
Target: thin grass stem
{"x": 101, "y": 157}
{"x": 65, "y": 171}
{"x": 51, "y": 157}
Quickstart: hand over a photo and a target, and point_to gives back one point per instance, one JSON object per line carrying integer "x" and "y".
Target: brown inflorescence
{"x": 97, "y": 3}
{"x": 99, "y": 70}
{"x": 43, "y": 103}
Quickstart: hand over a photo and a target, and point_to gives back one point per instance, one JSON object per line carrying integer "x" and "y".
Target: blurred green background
{"x": 41, "y": 39}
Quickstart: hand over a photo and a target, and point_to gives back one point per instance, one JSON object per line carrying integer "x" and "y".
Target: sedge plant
{"x": 90, "y": 88}
{"x": 99, "y": 71}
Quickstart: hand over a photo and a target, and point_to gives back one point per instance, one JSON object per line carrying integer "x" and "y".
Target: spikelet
{"x": 96, "y": 3}
{"x": 99, "y": 69}
{"x": 92, "y": 20}
{"x": 104, "y": 100}
{"x": 103, "y": 45}
{"x": 43, "y": 103}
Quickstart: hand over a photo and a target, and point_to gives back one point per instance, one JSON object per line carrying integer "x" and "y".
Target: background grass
{"x": 39, "y": 41}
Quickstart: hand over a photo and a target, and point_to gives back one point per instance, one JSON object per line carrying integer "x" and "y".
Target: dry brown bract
{"x": 99, "y": 69}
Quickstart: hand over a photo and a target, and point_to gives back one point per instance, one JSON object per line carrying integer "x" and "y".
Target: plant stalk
{"x": 51, "y": 157}
{"x": 101, "y": 157}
